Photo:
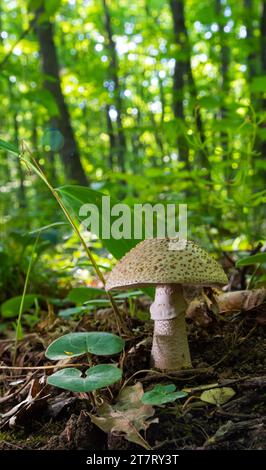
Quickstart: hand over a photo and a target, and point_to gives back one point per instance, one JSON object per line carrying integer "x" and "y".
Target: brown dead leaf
{"x": 197, "y": 311}
{"x": 127, "y": 417}
{"x": 228, "y": 303}
{"x": 241, "y": 300}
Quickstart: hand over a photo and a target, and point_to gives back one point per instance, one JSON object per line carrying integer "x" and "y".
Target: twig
{"x": 15, "y": 446}
{"x": 141, "y": 372}
{"x": 221, "y": 412}
{"x": 56, "y": 366}
{"x": 230, "y": 428}
{"x": 19, "y": 390}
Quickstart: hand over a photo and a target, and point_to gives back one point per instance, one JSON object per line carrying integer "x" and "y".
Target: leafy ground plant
{"x": 77, "y": 344}
{"x": 161, "y": 394}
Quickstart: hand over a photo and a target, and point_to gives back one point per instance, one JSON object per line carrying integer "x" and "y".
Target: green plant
{"x": 21, "y": 307}
{"x": 77, "y": 344}
{"x": 94, "y": 378}
{"x": 161, "y": 394}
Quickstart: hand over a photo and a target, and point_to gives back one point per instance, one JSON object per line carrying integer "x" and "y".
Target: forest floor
{"x": 230, "y": 352}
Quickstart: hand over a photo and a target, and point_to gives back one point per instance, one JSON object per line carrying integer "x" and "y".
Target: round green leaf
{"x": 254, "y": 259}
{"x": 162, "y": 394}
{"x": 75, "y": 344}
{"x": 79, "y": 295}
{"x": 217, "y": 396}
{"x": 10, "y": 307}
{"x": 96, "y": 377}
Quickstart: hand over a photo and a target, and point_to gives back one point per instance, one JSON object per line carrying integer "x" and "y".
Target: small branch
{"x": 56, "y": 366}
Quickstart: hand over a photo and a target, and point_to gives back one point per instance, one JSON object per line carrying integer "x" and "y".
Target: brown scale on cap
{"x": 151, "y": 263}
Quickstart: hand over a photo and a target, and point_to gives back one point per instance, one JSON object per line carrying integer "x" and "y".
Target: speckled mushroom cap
{"x": 152, "y": 262}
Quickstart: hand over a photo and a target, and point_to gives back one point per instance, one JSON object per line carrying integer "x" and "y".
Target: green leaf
{"x": 217, "y": 396}
{"x": 68, "y": 313}
{"x": 210, "y": 102}
{"x": 99, "y": 376}
{"x": 45, "y": 227}
{"x": 44, "y": 98}
{"x": 9, "y": 147}
{"x": 89, "y": 305}
{"x": 128, "y": 295}
{"x": 253, "y": 259}
{"x": 75, "y": 344}
{"x": 258, "y": 84}
{"x": 75, "y": 196}
{"x": 98, "y": 302}
{"x": 79, "y": 295}
{"x": 10, "y": 307}
{"x": 51, "y": 6}
{"x": 162, "y": 394}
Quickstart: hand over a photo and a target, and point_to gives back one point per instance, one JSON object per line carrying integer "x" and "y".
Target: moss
{"x": 31, "y": 439}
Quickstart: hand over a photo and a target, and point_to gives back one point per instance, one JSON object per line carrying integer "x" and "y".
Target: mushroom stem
{"x": 170, "y": 350}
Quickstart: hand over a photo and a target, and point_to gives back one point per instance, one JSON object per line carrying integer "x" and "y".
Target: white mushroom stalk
{"x": 153, "y": 263}
{"x": 170, "y": 349}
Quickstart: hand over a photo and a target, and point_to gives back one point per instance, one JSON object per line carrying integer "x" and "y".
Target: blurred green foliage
{"x": 222, "y": 178}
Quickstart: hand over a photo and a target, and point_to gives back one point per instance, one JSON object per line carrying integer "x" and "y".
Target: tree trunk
{"x": 252, "y": 60}
{"x": 69, "y": 152}
{"x": 183, "y": 75}
{"x": 21, "y": 191}
{"x": 121, "y": 140}
{"x": 224, "y": 83}
{"x": 177, "y": 9}
{"x": 112, "y": 139}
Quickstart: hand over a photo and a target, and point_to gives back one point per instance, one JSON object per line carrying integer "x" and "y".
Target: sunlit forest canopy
{"x": 146, "y": 101}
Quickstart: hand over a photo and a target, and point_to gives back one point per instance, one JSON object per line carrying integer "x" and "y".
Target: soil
{"x": 228, "y": 352}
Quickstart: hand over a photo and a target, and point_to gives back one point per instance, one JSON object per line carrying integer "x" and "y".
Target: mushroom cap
{"x": 153, "y": 262}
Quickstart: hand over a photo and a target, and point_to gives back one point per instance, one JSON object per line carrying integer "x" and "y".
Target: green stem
{"x": 18, "y": 327}
{"x": 249, "y": 285}
{"x": 37, "y": 169}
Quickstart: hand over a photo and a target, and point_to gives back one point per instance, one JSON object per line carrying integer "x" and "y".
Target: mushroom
{"x": 154, "y": 262}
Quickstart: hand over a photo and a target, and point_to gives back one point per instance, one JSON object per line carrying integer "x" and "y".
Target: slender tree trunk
{"x": 263, "y": 37}
{"x": 252, "y": 56}
{"x": 121, "y": 140}
{"x": 157, "y": 137}
{"x": 112, "y": 139}
{"x": 162, "y": 99}
{"x": 69, "y": 152}
{"x": 51, "y": 156}
{"x": 224, "y": 55}
{"x": 224, "y": 82}
{"x": 177, "y": 9}
{"x": 183, "y": 76}
{"x": 21, "y": 192}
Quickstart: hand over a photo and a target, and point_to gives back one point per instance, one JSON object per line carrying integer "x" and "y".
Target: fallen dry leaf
{"x": 241, "y": 300}
{"x": 127, "y": 417}
{"x": 228, "y": 303}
